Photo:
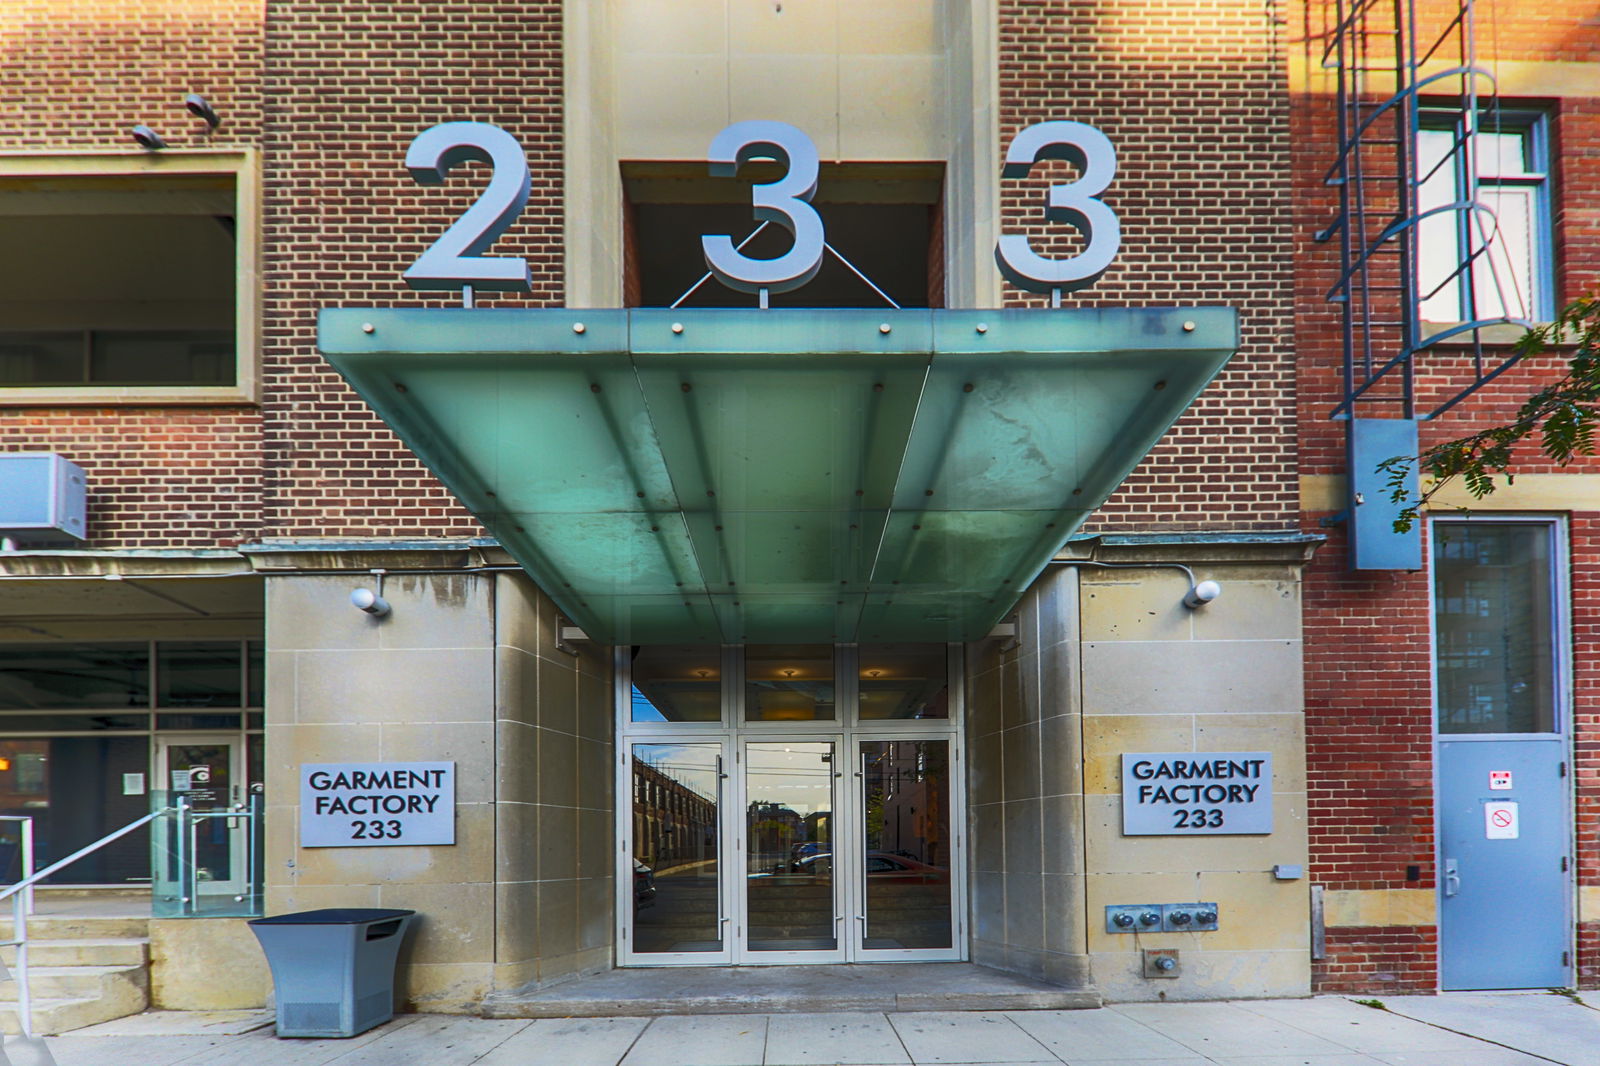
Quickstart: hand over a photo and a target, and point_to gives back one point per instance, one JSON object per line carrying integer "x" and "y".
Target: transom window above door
{"x": 789, "y": 685}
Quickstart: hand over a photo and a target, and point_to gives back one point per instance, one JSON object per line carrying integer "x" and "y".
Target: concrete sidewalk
{"x": 1452, "y": 1030}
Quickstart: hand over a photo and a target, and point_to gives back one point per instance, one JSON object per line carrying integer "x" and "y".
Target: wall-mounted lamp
{"x": 201, "y": 108}
{"x": 147, "y": 138}
{"x": 370, "y": 602}
{"x": 1201, "y": 594}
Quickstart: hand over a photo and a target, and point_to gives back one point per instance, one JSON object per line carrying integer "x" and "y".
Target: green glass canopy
{"x": 726, "y": 476}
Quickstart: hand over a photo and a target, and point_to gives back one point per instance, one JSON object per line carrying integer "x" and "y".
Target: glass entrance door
{"x": 678, "y": 905}
{"x": 793, "y": 900}
{"x": 906, "y": 850}
{"x": 206, "y": 771}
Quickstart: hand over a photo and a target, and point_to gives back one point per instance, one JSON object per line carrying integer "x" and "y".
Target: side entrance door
{"x": 1504, "y": 796}
{"x": 208, "y": 772}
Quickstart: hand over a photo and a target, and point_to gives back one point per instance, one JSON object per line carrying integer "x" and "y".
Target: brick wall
{"x": 1193, "y": 98}
{"x": 353, "y": 83}
{"x": 1368, "y": 650}
{"x": 74, "y": 76}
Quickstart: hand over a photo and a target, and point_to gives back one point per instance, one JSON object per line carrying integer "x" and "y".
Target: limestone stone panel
{"x": 1255, "y": 912}
{"x": 1061, "y": 755}
{"x": 1261, "y": 608}
{"x": 1107, "y": 737}
{"x": 1019, "y": 752}
{"x": 596, "y": 857}
{"x": 557, "y": 842}
{"x": 470, "y": 745}
{"x": 523, "y": 618}
{"x": 783, "y": 29}
{"x": 1205, "y": 975}
{"x": 289, "y": 745}
{"x": 206, "y": 964}
{"x": 1379, "y": 907}
{"x": 798, "y": 88}
{"x": 558, "y": 768}
{"x": 516, "y": 848}
{"x": 889, "y": 27}
{"x": 313, "y": 612}
{"x": 1108, "y": 851}
{"x": 984, "y": 775}
{"x": 558, "y": 695}
{"x": 558, "y": 918}
{"x": 595, "y": 781}
{"x": 1019, "y": 680}
{"x": 417, "y": 685}
{"x": 1061, "y": 829}
{"x": 516, "y": 685}
{"x": 442, "y": 988}
{"x": 693, "y": 26}
{"x": 988, "y": 837}
{"x": 596, "y": 712}
{"x": 1064, "y": 927}
{"x": 596, "y": 906}
{"x": 1024, "y": 837}
{"x": 670, "y": 105}
{"x": 915, "y": 83}
{"x": 287, "y": 898}
{"x": 517, "y": 757}
{"x": 471, "y": 858}
{"x": 1589, "y": 903}
{"x": 433, "y": 611}
{"x": 1188, "y": 677}
{"x": 1283, "y": 735}
{"x": 1136, "y": 605}
{"x": 454, "y": 923}
{"x": 516, "y": 921}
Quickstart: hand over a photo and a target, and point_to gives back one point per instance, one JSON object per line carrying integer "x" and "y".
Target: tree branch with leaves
{"x": 1562, "y": 418}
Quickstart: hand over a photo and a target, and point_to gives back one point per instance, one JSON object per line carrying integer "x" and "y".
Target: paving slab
{"x": 1486, "y": 1055}
{"x": 1225, "y": 1030}
{"x": 1360, "y": 1028}
{"x": 125, "y": 1050}
{"x": 709, "y": 1040}
{"x": 1536, "y": 1023}
{"x": 182, "y": 1023}
{"x": 1099, "y": 1036}
{"x": 568, "y": 1042}
{"x": 646, "y": 991}
{"x": 436, "y": 1040}
{"x": 837, "y": 1039}
{"x": 946, "y": 1037}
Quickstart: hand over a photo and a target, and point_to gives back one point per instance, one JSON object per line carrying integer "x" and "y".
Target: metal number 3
{"x": 785, "y": 201}
{"x": 1073, "y": 203}
{"x": 456, "y": 258}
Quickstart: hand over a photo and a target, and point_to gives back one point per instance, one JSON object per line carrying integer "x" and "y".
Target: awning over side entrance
{"x": 774, "y": 476}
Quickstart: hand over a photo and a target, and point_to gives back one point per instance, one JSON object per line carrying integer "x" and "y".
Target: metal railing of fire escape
{"x": 1389, "y": 72}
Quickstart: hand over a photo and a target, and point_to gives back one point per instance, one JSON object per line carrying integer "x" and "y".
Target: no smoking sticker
{"x": 1500, "y": 821}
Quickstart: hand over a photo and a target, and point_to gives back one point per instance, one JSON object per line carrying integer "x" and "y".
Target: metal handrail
{"x": 26, "y": 821}
{"x": 20, "y": 892}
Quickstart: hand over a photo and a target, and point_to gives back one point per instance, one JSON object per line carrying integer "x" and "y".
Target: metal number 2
{"x": 455, "y": 259}
{"x": 785, "y": 201}
{"x": 1073, "y": 203}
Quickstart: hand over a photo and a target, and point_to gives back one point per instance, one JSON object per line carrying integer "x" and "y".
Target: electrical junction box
{"x": 43, "y": 498}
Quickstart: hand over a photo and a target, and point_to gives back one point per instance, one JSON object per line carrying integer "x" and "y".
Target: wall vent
{"x": 42, "y": 500}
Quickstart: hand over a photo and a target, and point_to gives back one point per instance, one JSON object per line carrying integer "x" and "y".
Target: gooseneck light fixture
{"x": 200, "y": 107}
{"x": 147, "y": 138}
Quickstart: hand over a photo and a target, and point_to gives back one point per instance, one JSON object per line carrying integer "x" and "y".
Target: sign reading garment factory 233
{"x": 360, "y": 805}
{"x": 1183, "y": 793}
{"x": 456, "y": 259}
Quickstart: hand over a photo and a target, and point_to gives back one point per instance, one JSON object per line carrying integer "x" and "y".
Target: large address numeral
{"x": 1073, "y": 203}
{"x": 455, "y": 259}
{"x": 785, "y": 201}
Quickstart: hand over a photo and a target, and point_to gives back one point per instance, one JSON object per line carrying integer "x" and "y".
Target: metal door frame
{"x": 238, "y": 793}
{"x": 1561, "y": 654}
{"x": 733, "y": 734}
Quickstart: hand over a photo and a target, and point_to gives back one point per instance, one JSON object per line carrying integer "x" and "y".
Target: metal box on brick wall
{"x": 42, "y": 499}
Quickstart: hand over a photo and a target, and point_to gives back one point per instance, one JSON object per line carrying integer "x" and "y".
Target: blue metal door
{"x": 1503, "y": 836}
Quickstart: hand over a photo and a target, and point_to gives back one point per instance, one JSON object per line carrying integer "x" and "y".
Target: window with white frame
{"x": 1503, "y": 231}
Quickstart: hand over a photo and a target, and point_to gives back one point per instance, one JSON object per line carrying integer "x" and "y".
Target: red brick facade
{"x": 1368, "y": 654}
{"x": 1193, "y": 98}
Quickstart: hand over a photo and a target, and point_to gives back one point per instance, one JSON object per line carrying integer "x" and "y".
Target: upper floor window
{"x": 1505, "y": 237}
{"x": 124, "y": 282}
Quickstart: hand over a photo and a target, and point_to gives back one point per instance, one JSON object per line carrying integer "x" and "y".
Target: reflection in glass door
{"x": 677, "y": 896}
{"x": 792, "y": 899}
{"x": 906, "y": 848}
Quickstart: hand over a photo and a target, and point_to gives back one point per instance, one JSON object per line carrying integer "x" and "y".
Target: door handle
{"x": 1452, "y": 877}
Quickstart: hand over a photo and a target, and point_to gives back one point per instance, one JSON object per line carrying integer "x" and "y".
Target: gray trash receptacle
{"x": 332, "y": 970}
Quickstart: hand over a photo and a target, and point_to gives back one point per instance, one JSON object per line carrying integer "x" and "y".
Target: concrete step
{"x": 75, "y": 982}
{"x": 64, "y": 998}
{"x": 74, "y": 927}
{"x": 126, "y": 951}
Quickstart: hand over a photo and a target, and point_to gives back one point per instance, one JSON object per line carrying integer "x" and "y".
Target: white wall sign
{"x": 364, "y": 805}
{"x": 1189, "y": 793}
{"x": 1500, "y": 821}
